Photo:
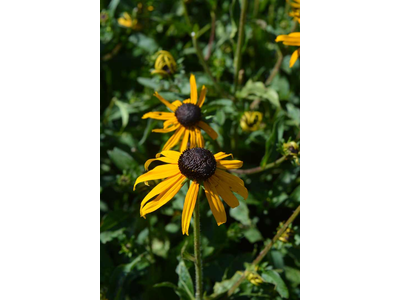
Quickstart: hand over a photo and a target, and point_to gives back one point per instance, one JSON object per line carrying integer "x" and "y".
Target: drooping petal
{"x": 169, "y": 129}
{"x": 163, "y": 159}
{"x": 164, "y": 197}
{"x": 292, "y": 39}
{"x": 199, "y": 138}
{"x": 190, "y": 202}
{"x": 211, "y": 132}
{"x": 216, "y": 205}
{"x": 235, "y": 183}
{"x": 185, "y": 140}
{"x": 221, "y": 155}
{"x": 202, "y": 96}
{"x": 159, "y": 115}
{"x": 224, "y": 191}
{"x": 158, "y": 172}
{"x": 193, "y": 89}
{"x": 170, "y": 153}
{"x": 294, "y": 57}
{"x": 229, "y": 164}
{"x": 174, "y": 139}
{"x": 192, "y": 138}
{"x": 160, "y": 188}
{"x": 165, "y": 102}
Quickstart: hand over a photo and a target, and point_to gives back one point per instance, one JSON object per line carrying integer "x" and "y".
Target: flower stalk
{"x": 197, "y": 250}
{"x": 238, "y": 55}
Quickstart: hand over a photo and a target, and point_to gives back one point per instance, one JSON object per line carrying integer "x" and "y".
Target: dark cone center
{"x": 188, "y": 114}
{"x": 197, "y": 164}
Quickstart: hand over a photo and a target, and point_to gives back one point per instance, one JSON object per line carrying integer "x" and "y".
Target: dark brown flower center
{"x": 188, "y": 114}
{"x": 197, "y": 164}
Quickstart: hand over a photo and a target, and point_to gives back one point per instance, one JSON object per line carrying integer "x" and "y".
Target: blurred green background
{"x": 147, "y": 258}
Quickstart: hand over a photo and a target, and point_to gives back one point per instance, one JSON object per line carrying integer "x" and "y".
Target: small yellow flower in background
{"x": 200, "y": 166}
{"x": 126, "y": 21}
{"x": 165, "y": 64}
{"x": 251, "y": 120}
{"x": 185, "y": 120}
{"x": 292, "y": 150}
{"x": 295, "y": 13}
{"x": 292, "y": 39}
{"x": 254, "y": 278}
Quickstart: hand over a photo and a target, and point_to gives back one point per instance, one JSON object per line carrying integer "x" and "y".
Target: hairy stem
{"x": 197, "y": 249}
{"x": 264, "y": 251}
{"x": 238, "y": 55}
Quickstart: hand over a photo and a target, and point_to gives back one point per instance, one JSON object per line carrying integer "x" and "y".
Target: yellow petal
{"x": 169, "y": 129}
{"x": 224, "y": 191}
{"x": 172, "y": 121}
{"x": 294, "y": 57}
{"x": 211, "y": 132}
{"x": 170, "y": 154}
{"x": 292, "y": 39}
{"x": 163, "y": 198}
{"x": 202, "y": 96}
{"x": 216, "y": 205}
{"x": 163, "y": 159}
{"x": 186, "y": 101}
{"x": 158, "y": 115}
{"x": 190, "y": 202}
{"x": 165, "y": 102}
{"x": 221, "y": 155}
{"x": 158, "y": 172}
{"x": 192, "y": 138}
{"x": 193, "y": 89}
{"x": 235, "y": 183}
{"x": 199, "y": 138}
{"x": 230, "y": 164}
{"x": 177, "y": 103}
{"x": 160, "y": 188}
{"x": 185, "y": 140}
{"x": 174, "y": 139}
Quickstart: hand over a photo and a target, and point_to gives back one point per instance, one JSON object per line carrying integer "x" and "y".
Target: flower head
{"x": 200, "y": 166}
{"x": 251, "y": 120}
{"x": 126, "y": 21}
{"x": 295, "y": 13}
{"x": 292, "y": 150}
{"x": 165, "y": 64}
{"x": 185, "y": 120}
{"x": 103, "y": 17}
{"x": 292, "y": 39}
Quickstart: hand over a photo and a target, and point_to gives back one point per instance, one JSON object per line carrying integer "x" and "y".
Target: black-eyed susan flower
{"x": 165, "y": 64}
{"x": 254, "y": 278}
{"x": 201, "y": 167}
{"x": 291, "y": 149}
{"x": 185, "y": 120}
{"x": 292, "y": 39}
{"x": 287, "y": 234}
{"x": 251, "y": 120}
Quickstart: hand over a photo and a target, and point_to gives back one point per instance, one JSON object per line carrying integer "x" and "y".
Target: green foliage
{"x": 139, "y": 256}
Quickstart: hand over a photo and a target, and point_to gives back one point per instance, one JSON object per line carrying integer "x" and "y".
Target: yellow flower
{"x": 292, "y": 39}
{"x": 200, "y": 166}
{"x": 185, "y": 120}
{"x": 254, "y": 278}
{"x": 126, "y": 21}
{"x": 165, "y": 64}
{"x": 251, "y": 120}
{"x": 286, "y": 235}
{"x": 292, "y": 150}
{"x": 295, "y": 13}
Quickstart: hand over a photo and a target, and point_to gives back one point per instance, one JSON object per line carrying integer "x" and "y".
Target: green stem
{"x": 264, "y": 251}
{"x": 260, "y": 169}
{"x": 197, "y": 250}
{"x": 186, "y": 14}
{"x": 238, "y": 55}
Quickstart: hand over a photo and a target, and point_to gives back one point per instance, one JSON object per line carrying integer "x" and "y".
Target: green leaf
{"x": 276, "y": 135}
{"x": 185, "y": 281}
{"x": 123, "y": 107}
{"x": 273, "y": 277}
{"x": 150, "y": 83}
{"x": 241, "y": 213}
{"x": 108, "y": 236}
{"x": 253, "y": 235}
{"x": 144, "y": 42}
{"x": 223, "y": 286}
{"x": 294, "y": 113}
{"x": 258, "y": 90}
{"x": 172, "y": 228}
{"x": 121, "y": 159}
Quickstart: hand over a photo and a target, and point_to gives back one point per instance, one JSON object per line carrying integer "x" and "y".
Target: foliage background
{"x": 137, "y": 254}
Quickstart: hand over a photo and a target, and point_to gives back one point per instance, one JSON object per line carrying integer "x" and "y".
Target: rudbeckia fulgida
{"x": 185, "y": 120}
{"x": 201, "y": 167}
